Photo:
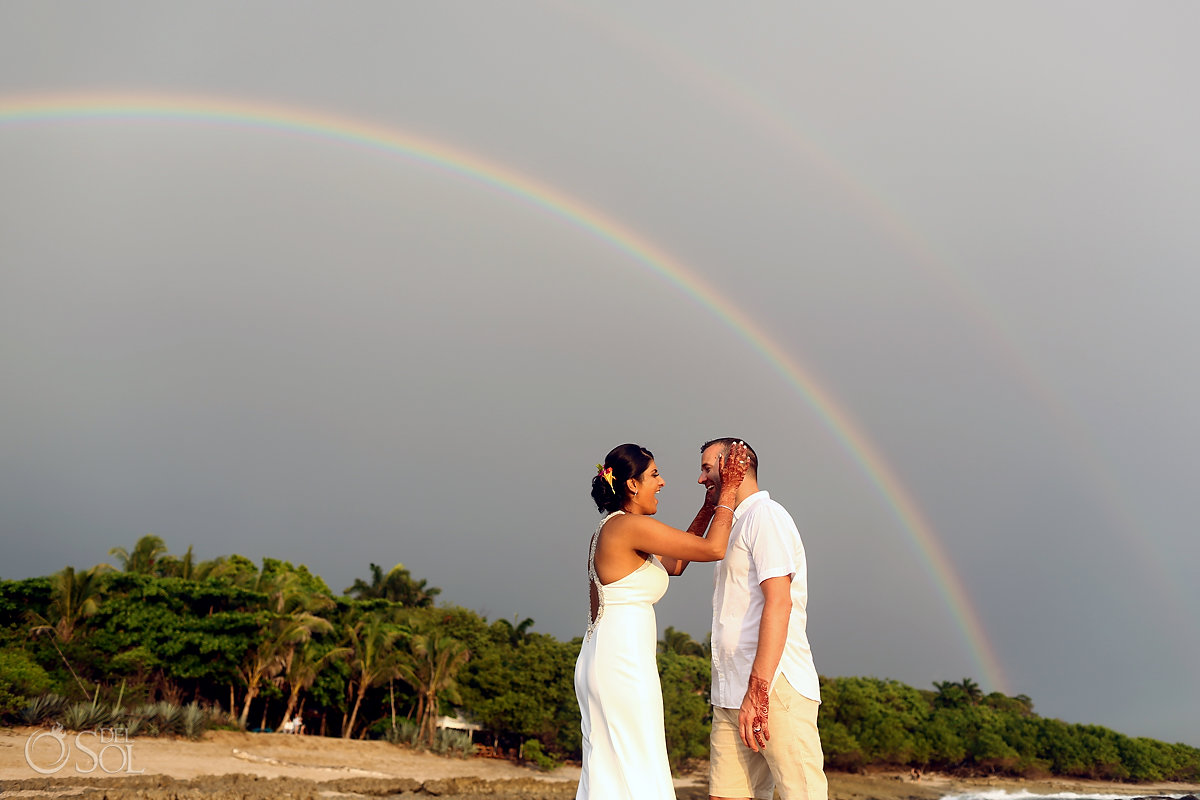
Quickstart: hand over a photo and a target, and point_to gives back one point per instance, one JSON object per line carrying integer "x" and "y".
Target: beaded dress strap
{"x": 594, "y": 579}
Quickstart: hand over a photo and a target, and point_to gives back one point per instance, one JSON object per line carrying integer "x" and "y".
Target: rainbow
{"x": 765, "y": 116}
{"x": 17, "y": 110}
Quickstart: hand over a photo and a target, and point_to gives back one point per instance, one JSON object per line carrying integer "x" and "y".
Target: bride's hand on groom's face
{"x": 733, "y": 465}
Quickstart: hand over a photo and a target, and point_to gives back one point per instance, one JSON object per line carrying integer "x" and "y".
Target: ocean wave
{"x": 1024, "y": 794}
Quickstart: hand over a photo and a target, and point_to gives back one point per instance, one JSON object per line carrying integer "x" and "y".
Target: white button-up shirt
{"x": 764, "y": 543}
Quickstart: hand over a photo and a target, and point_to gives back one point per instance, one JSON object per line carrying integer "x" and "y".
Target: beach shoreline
{"x": 234, "y": 764}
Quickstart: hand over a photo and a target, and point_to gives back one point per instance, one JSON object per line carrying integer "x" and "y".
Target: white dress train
{"x": 617, "y": 685}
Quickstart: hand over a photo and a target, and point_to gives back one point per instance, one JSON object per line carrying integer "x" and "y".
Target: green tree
{"x": 950, "y": 695}
{"x": 687, "y": 715}
{"x": 177, "y": 628}
{"x": 517, "y": 633}
{"x": 144, "y": 557}
{"x": 680, "y": 643}
{"x": 397, "y": 586}
{"x": 187, "y": 567}
{"x": 989, "y": 750}
{"x": 302, "y": 665}
{"x": 841, "y": 750}
{"x": 373, "y": 659}
{"x": 74, "y": 597}
{"x": 165, "y": 633}
{"x": 945, "y": 746}
{"x": 1020, "y": 705}
{"x": 21, "y": 679}
{"x": 292, "y": 621}
{"x": 527, "y": 690}
{"x": 430, "y": 666}
{"x": 880, "y": 718}
{"x": 182, "y": 567}
{"x": 20, "y": 599}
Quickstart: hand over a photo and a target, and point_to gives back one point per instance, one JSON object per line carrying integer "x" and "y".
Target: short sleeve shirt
{"x": 764, "y": 543}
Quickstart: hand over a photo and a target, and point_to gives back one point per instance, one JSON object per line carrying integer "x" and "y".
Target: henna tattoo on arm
{"x": 703, "y": 517}
{"x": 759, "y": 693}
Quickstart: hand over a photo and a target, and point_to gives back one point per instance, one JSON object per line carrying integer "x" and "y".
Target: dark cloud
{"x": 969, "y": 230}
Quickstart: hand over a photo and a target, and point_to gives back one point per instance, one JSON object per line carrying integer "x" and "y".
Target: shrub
{"x": 157, "y": 719}
{"x": 21, "y": 678}
{"x": 86, "y": 716}
{"x": 43, "y": 710}
{"x": 405, "y": 731}
{"x": 131, "y": 724}
{"x": 221, "y": 720}
{"x": 532, "y": 751}
{"x": 687, "y": 719}
{"x": 455, "y": 743}
{"x": 192, "y": 721}
{"x": 167, "y": 717}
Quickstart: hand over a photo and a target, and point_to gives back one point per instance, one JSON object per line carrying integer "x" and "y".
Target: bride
{"x": 616, "y": 675}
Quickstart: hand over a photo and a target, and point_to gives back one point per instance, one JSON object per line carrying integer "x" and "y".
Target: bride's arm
{"x": 676, "y": 566}
{"x": 648, "y": 535}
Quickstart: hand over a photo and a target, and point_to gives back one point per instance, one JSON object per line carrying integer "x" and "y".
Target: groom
{"x": 765, "y": 690}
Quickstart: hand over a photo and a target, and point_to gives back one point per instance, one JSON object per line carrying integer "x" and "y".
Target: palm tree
{"x": 276, "y": 648}
{"x": 516, "y": 634}
{"x": 187, "y": 567}
{"x": 430, "y": 668}
{"x": 368, "y": 590}
{"x": 952, "y": 694}
{"x": 238, "y": 570}
{"x": 146, "y": 553}
{"x": 396, "y": 586}
{"x": 679, "y": 642}
{"x": 949, "y": 695}
{"x": 372, "y": 657}
{"x": 418, "y": 594}
{"x": 971, "y": 690}
{"x": 301, "y": 668}
{"x": 291, "y": 621}
{"x": 74, "y": 596}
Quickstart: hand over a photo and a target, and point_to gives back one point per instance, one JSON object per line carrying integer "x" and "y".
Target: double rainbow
{"x": 51, "y": 108}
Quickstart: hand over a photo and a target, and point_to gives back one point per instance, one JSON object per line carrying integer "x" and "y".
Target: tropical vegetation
{"x": 162, "y": 644}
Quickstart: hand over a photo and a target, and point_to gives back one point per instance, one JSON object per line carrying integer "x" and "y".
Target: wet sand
{"x": 226, "y": 764}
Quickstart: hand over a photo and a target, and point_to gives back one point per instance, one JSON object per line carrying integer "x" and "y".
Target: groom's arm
{"x": 772, "y": 636}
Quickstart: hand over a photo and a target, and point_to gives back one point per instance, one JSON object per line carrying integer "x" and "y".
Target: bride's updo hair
{"x": 627, "y": 461}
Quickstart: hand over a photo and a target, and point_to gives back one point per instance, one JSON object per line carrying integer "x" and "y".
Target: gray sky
{"x": 970, "y": 226}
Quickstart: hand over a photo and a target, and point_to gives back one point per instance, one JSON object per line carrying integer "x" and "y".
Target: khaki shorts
{"x": 791, "y": 761}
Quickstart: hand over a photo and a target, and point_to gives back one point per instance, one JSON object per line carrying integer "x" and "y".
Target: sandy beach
{"x": 226, "y": 764}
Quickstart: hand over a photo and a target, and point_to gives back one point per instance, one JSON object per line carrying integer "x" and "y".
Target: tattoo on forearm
{"x": 759, "y": 698}
{"x": 700, "y": 523}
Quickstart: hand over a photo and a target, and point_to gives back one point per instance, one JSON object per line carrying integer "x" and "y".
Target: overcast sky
{"x": 969, "y": 228}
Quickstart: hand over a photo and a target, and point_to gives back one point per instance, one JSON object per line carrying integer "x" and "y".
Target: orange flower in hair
{"x": 606, "y": 473}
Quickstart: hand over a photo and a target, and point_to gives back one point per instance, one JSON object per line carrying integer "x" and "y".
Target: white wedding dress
{"x": 617, "y": 685}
